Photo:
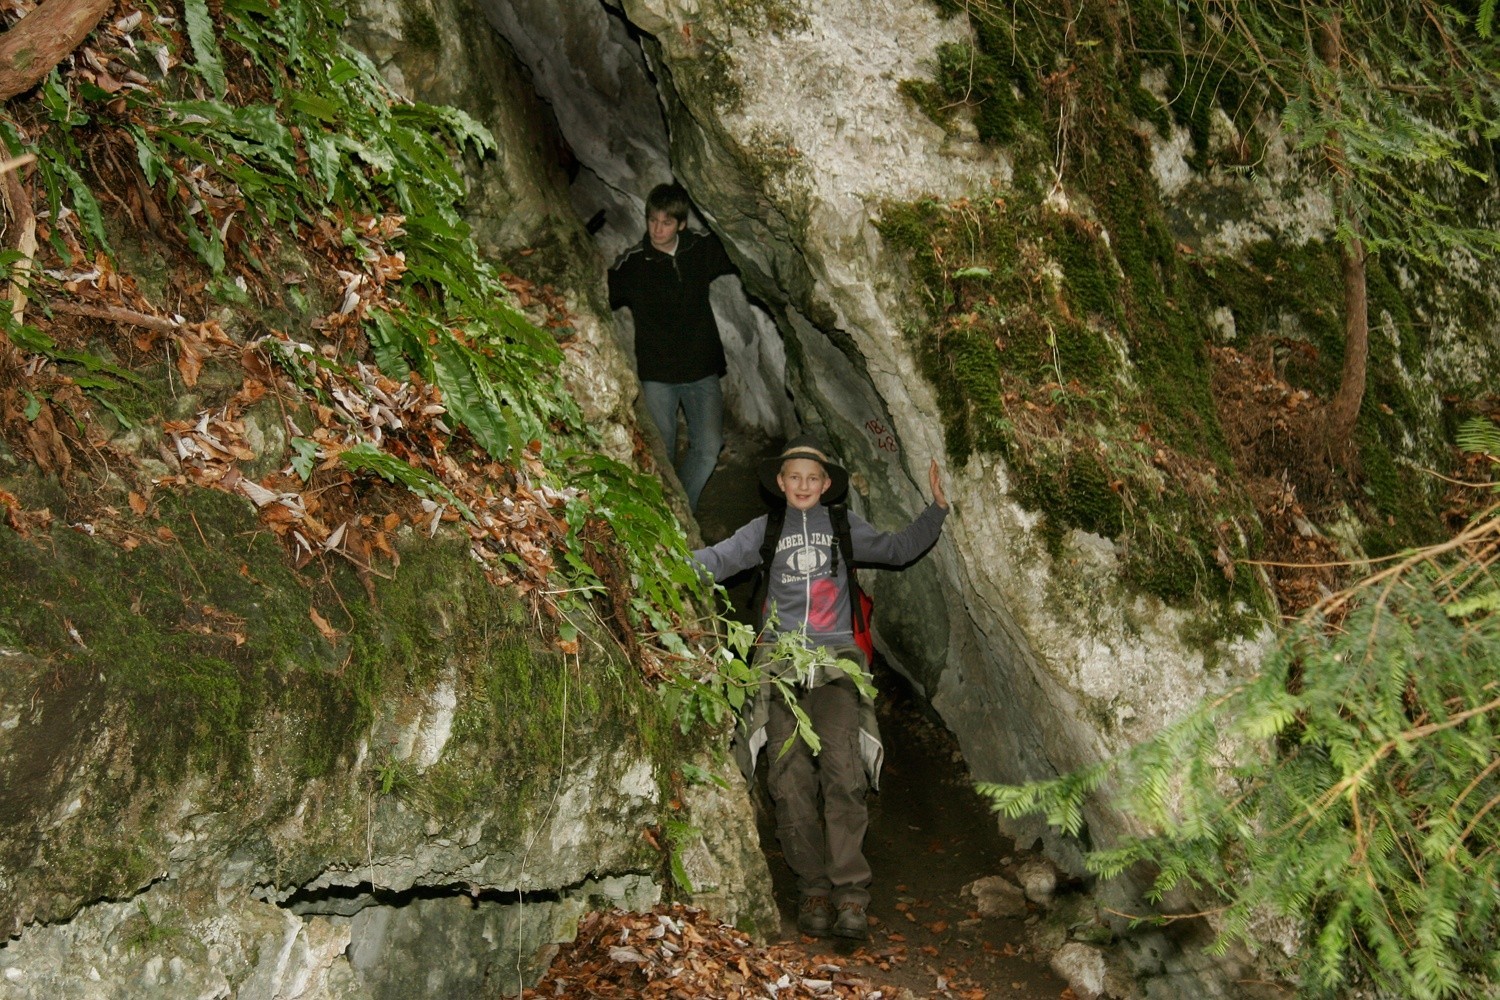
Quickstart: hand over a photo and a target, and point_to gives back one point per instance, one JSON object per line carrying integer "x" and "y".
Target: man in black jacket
{"x": 663, "y": 281}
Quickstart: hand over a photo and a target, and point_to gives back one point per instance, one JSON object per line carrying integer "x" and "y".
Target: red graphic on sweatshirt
{"x": 822, "y": 604}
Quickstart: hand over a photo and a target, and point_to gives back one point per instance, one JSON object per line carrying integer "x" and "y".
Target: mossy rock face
{"x": 183, "y": 685}
{"x": 1074, "y": 347}
{"x": 1286, "y": 302}
{"x": 1102, "y": 288}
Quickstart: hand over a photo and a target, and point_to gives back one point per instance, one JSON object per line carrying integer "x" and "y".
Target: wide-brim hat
{"x": 805, "y": 446}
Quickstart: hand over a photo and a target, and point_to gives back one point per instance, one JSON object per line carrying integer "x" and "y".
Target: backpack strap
{"x": 775, "y": 520}
{"x": 839, "y": 514}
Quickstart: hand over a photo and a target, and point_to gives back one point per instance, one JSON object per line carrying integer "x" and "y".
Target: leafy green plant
{"x": 331, "y": 143}
{"x": 746, "y": 669}
{"x": 279, "y": 130}
{"x": 304, "y": 457}
{"x": 98, "y": 377}
{"x": 1352, "y": 786}
{"x": 365, "y": 456}
{"x": 146, "y": 932}
{"x": 392, "y": 777}
{"x": 1481, "y": 436}
{"x": 679, "y": 835}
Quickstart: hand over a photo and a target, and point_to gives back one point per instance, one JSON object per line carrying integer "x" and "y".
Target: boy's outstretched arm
{"x": 900, "y": 548}
{"x": 737, "y": 553}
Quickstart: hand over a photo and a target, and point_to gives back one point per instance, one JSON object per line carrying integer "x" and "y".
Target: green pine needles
{"x": 1353, "y": 786}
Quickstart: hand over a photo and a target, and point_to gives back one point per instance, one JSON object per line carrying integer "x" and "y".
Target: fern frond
{"x": 366, "y": 456}
{"x": 1479, "y": 435}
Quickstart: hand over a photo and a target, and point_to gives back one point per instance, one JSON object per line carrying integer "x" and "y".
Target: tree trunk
{"x": 1342, "y": 412}
{"x": 1343, "y": 409}
{"x": 42, "y": 39}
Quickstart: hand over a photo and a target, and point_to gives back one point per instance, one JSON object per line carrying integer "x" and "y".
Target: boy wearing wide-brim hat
{"x": 808, "y": 587}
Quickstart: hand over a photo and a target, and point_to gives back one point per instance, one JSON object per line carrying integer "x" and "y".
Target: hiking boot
{"x": 814, "y": 916}
{"x": 852, "y": 922}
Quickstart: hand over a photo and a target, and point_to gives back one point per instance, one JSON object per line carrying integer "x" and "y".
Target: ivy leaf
{"x": 305, "y": 457}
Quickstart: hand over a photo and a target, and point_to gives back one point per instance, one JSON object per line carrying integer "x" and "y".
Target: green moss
{"x": 105, "y": 870}
{"x": 768, "y": 156}
{"x": 775, "y": 16}
{"x": 995, "y": 327}
{"x": 1071, "y": 490}
{"x": 1146, "y": 106}
{"x": 143, "y": 932}
{"x": 188, "y": 660}
{"x": 1089, "y": 276}
{"x": 528, "y": 712}
{"x": 1290, "y": 298}
{"x": 187, "y": 650}
{"x": 910, "y": 229}
{"x": 418, "y": 27}
{"x": 929, "y": 98}
{"x": 1404, "y": 510}
{"x": 1200, "y": 76}
{"x": 986, "y": 79}
{"x": 714, "y": 76}
{"x": 205, "y": 633}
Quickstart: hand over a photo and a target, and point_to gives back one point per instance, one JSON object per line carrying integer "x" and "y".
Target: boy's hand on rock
{"x": 938, "y": 496}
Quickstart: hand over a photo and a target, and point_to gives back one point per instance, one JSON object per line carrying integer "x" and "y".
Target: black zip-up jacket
{"x": 676, "y": 338}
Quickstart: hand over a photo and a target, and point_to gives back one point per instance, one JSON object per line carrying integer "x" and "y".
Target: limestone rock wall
{"x": 409, "y": 815}
{"x": 786, "y": 124}
{"x": 406, "y": 824}
{"x": 785, "y": 121}
{"x": 583, "y": 58}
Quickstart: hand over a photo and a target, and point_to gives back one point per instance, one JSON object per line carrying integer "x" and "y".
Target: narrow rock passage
{"x": 930, "y": 839}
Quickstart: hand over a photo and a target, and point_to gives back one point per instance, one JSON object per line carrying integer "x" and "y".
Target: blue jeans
{"x": 702, "y": 403}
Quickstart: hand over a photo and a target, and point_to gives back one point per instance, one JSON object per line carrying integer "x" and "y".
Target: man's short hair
{"x": 669, "y": 198}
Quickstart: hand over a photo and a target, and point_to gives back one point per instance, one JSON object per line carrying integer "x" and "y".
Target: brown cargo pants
{"x": 823, "y": 847}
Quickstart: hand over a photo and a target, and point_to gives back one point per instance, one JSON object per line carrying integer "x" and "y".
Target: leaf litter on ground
{"x": 680, "y": 951}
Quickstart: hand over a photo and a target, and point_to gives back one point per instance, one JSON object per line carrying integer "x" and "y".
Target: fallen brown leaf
{"x": 329, "y": 632}
{"x": 189, "y": 361}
